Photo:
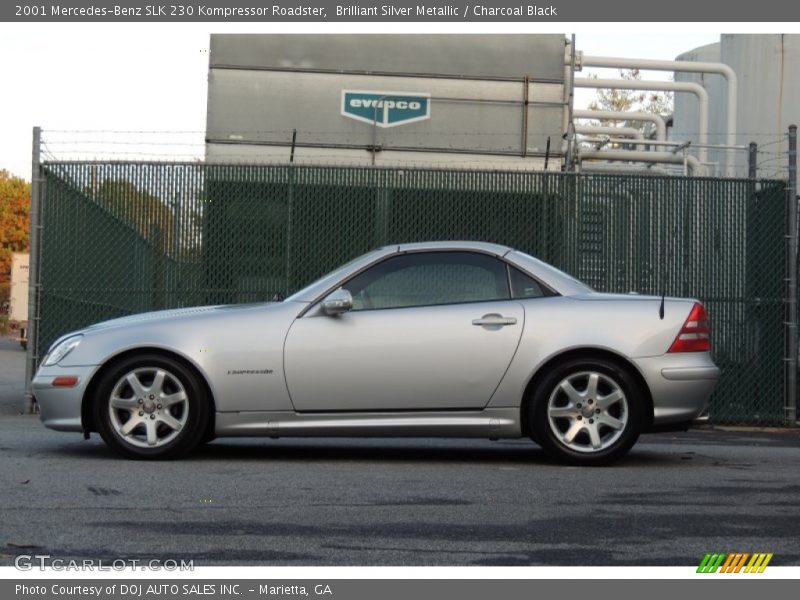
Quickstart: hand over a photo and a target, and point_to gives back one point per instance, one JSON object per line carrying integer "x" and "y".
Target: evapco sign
{"x": 386, "y": 109}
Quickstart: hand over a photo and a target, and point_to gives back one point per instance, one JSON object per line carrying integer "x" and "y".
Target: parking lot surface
{"x": 396, "y": 502}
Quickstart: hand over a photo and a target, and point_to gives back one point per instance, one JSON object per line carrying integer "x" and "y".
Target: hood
{"x": 173, "y": 315}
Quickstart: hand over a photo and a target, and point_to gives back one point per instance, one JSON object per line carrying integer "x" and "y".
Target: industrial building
{"x": 492, "y": 101}
{"x": 471, "y": 101}
{"x": 766, "y": 101}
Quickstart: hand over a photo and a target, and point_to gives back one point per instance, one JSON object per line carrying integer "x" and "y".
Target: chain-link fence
{"x": 120, "y": 238}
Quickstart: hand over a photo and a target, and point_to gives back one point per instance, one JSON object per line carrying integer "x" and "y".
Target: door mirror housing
{"x": 337, "y": 302}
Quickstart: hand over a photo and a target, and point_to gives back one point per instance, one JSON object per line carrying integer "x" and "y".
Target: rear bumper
{"x": 60, "y": 407}
{"x": 698, "y": 373}
{"x": 680, "y": 384}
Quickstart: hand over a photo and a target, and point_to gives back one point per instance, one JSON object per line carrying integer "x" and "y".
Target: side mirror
{"x": 337, "y": 302}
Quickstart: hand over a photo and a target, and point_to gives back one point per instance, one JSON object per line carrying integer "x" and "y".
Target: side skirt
{"x": 488, "y": 423}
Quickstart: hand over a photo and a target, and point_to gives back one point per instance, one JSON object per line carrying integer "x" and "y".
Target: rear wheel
{"x": 151, "y": 407}
{"x": 587, "y": 412}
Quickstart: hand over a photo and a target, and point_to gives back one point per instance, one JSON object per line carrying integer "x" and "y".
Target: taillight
{"x": 694, "y": 335}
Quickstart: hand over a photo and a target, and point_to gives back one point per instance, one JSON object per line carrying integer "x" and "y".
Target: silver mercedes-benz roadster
{"x": 458, "y": 339}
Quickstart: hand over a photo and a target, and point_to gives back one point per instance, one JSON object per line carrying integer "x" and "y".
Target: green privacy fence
{"x": 120, "y": 238}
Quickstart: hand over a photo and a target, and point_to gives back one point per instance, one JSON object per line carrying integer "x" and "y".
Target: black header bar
{"x": 253, "y": 11}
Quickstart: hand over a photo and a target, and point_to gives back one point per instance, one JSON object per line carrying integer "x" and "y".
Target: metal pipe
{"x": 628, "y": 132}
{"x": 610, "y": 115}
{"x": 32, "y": 355}
{"x": 622, "y": 132}
{"x": 680, "y": 145}
{"x": 681, "y": 66}
{"x": 612, "y": 141}
{"x": 674, "y": 86}
{"x": 604, "y": 140}
{"x": 649, "y": 157}
{"x": 614, "y": 168}
{"x": 791, "y": 283}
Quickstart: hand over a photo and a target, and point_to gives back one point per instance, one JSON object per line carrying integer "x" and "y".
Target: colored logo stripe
{"x": 758, "y": 563}
{"x": 710, "y": 563}
{"x": 734, "y": 563}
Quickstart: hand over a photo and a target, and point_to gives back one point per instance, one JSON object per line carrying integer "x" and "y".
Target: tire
{"x": 151, "y": 406}
{"x": 587, "y": 412}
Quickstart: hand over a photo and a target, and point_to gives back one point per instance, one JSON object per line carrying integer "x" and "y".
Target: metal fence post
{"x": 791, "y": 287}
{"x": 752, "y": 160}
{"x": 34, "y": 272}
{"x": 289, "y": 216}
{"x": 569, "y": 163}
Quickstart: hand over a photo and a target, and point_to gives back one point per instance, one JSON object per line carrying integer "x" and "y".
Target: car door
{"x": 428, "y": 330}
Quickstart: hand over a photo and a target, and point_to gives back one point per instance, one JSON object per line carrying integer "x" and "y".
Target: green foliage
{"x": 15, "y": 204}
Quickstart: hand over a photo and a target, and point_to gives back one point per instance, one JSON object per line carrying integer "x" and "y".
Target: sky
{"x": 77, "y": 81}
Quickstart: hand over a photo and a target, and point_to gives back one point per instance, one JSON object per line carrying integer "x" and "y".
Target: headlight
{"x": 61, "y": 350}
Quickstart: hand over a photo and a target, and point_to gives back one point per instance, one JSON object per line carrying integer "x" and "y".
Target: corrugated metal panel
{"x": 245, "y": 154}
{"x": 465, "y": 115}
{"x": 507, "y": 56}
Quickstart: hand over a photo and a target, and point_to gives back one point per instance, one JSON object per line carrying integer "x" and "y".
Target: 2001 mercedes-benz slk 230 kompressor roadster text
{"x": 457, "y": 339}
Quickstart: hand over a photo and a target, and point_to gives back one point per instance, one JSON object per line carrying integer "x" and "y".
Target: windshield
{"x": 331, "y": 275}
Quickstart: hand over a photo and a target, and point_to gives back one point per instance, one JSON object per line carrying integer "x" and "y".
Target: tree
{"x": 15, "y": 206}
{"x": 145, "y": 213}
{"x": 659, "y": 103}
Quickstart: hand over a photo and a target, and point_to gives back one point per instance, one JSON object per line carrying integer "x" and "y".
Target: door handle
{"x": 495, "y": 320}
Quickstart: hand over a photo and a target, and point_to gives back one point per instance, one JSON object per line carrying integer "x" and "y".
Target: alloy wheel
{"x": 587, "y": 411}
{"x": 148, "y": 407}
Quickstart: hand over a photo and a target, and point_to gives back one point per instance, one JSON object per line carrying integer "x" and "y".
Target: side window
{"x": 524, "y": 286}
{"x": 430, "y": 278}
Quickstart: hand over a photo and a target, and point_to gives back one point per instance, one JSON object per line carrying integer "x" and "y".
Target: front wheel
{"x": 587, "y": 412}
{"x": 151, "y": 407}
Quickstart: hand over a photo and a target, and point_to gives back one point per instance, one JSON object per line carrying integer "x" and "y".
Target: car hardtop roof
{"x": 455, "y": 245}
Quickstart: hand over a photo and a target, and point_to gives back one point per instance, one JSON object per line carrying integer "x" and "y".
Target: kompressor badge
{"x": 386, "y": 109}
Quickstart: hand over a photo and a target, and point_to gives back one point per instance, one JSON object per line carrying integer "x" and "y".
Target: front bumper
{"x": 60, "y": 407}
{"x": 680, "y": 384}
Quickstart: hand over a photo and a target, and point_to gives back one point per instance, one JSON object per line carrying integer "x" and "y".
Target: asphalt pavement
{"x": 394, "y": 502}
{"x": 12, "y": 377}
